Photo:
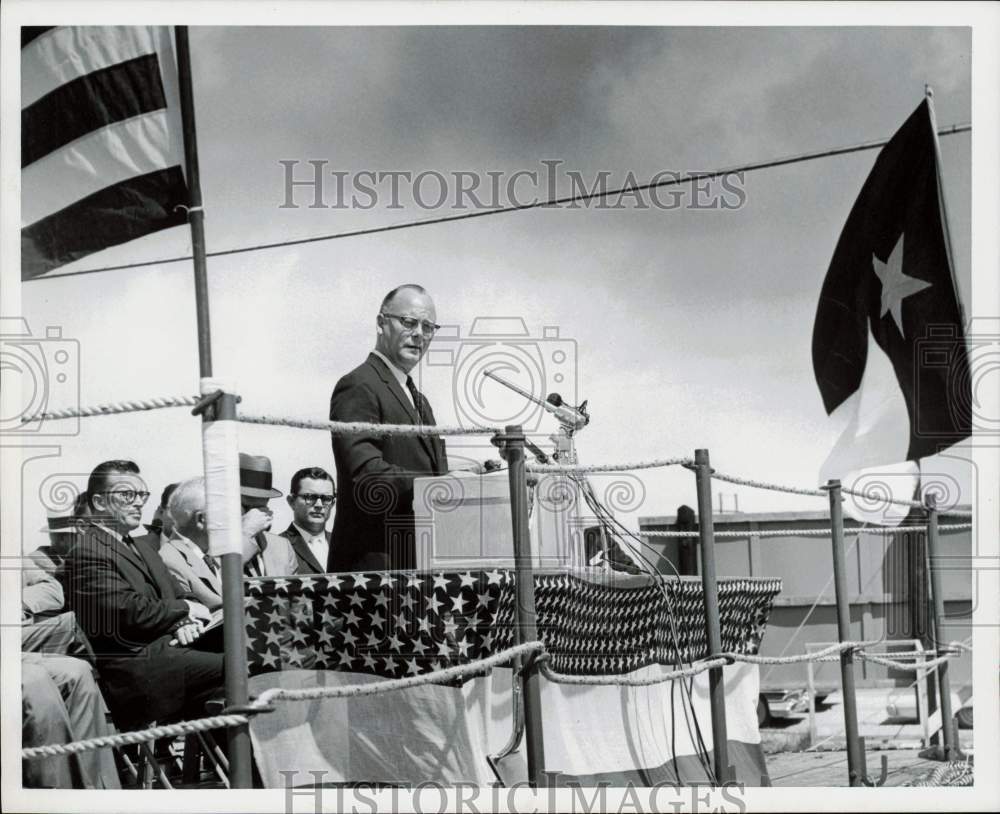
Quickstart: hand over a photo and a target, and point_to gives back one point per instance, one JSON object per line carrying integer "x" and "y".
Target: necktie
{"x": 130, "y": 545}
{"x": 418, "y": 400}
{"x": 213, "y": 566}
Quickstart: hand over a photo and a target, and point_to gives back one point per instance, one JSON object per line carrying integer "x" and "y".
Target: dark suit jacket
{"x": 308, "y": 564}
{"x": 128, "y": 604}
{"x": 373, "y": 527}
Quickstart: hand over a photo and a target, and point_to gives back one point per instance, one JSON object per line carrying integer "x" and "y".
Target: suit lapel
{"x": 404, "y": 400}
{"x": 302, "y": 549}
{"x": 202, "y": 571}
{"x": 124, "y": 554}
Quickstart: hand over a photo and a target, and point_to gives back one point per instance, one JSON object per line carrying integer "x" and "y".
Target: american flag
{"x": 388, "y": 624}
{"x": 406, "y": 623}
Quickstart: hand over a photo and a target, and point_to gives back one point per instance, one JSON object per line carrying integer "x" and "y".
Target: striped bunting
{"x": 101, "y": 141}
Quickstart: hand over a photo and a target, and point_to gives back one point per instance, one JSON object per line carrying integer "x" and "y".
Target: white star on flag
{"x": 896, "y": 286}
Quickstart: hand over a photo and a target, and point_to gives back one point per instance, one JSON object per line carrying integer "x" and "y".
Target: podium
{"x": 463, "y": 520}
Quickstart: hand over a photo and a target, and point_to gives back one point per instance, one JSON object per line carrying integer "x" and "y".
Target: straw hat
{"x": 255, "y": 476}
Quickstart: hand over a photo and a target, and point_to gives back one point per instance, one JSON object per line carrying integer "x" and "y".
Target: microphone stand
{"x": 571, "y": 420}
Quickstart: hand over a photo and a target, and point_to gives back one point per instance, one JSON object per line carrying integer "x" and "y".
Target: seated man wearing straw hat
{"x": 275, "y": 556}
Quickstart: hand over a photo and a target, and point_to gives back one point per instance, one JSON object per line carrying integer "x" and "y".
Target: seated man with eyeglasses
{"x": 374, "y": 526}
{"x": 145, "y": 631}
{"x": 311, "y": 496}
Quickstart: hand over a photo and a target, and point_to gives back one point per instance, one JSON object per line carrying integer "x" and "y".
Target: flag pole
{"x": 218, "y": 437}
{"x": 945, "y": 228}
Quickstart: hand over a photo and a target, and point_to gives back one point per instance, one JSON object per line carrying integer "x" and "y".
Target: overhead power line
{"x": 503, "y": 210}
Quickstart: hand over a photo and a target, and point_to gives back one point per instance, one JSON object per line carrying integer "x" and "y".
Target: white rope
{"x": 364, "y": 427}
{"x": 115, "y": 408}
{"x": 377, "y": 687}
{"x": 807, "y": 532}
{"x": 826, "y": 654}
{"x": 277, "y": 693}
{"x": 685, "y": 672}
{"x": 899, "y": 665}
{"x": 138, "y": 736}
{"x": 626, "y": 467}
{"x": 774, "y": 487}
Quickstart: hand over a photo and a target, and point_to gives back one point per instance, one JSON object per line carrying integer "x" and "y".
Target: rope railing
{"x": 625, "y": 681}
{"x": 580, "y": 469}
{"x": 390, "y": 685}
{"x": 263, "y": 701}
{"x": 151, "y": 733}
{"x": 364, "y": 427}
{"x": 115, "y": 408}
{"x": 872, "y": 529}
{"x": 371, "y": 428}
{"x": 827, "y": 653}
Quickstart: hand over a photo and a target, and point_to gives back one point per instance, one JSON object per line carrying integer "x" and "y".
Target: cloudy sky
{"x": 684, "y": 328}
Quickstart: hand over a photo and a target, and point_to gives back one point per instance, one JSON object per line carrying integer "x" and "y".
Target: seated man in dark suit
{"x": 131, "y": 609}
{"x": 311, "y": 496}
{"x": 374, "y": 526}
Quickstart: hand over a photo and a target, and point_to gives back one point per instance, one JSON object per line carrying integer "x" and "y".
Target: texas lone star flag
{"x": 101, "y": 141}
{"x": 888, "y": 345}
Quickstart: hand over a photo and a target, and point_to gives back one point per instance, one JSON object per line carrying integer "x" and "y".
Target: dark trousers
{"x": 162, "y": 682}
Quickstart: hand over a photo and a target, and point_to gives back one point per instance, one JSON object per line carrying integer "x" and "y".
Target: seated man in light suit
{"x": 186, "y": 552}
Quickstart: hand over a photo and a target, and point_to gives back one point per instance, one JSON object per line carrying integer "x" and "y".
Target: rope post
{"x": 855, "y": 754}
{"x": 713, "y": 629}
{"x": 936, "y": 602}
{"x": 513, "y": 445}
{"x": 220, "y": 448}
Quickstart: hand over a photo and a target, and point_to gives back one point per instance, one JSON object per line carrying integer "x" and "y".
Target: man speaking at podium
{"x": 373, "y": 529}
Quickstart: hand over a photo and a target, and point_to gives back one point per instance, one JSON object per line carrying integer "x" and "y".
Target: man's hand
{"x": 198, "y": 612}
{"x": 255, "y": 521}
{"x": 187, "y": 633}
